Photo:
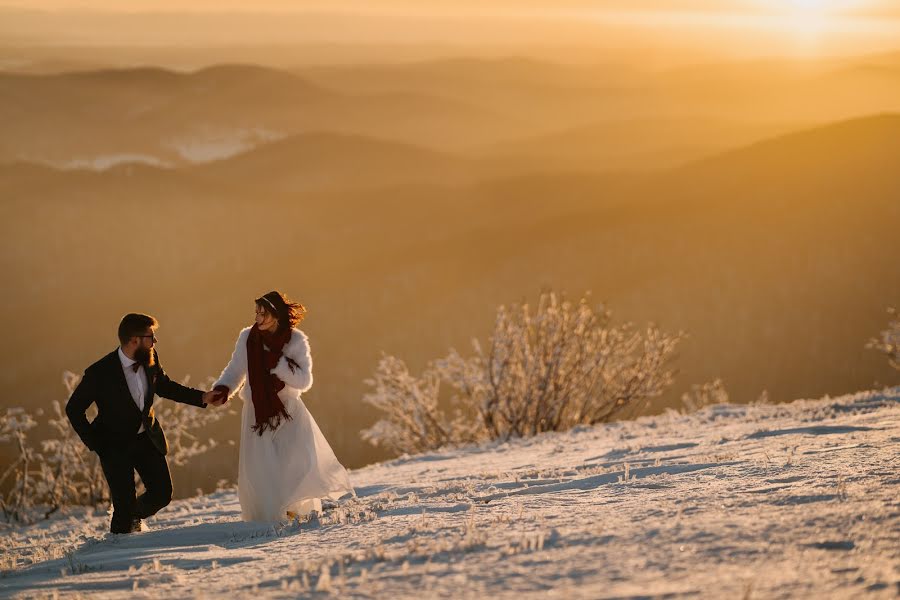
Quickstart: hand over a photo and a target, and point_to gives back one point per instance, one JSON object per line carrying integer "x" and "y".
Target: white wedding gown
{"x": 291, "y": 468}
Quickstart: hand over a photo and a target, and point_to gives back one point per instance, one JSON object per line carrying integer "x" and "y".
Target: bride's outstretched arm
{"x": 235, "y": 373}
{"x": 295, "y": 366}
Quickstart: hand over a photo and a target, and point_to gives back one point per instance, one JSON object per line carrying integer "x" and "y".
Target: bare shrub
{"x": 183, "y": 423}
{"x": 14, "y": 427}
{"x": 707, "y": 394}
{"x": 547, "y": 368}
{"x": 888, "y": 342}
{"x": 71, "y": 474}
{"x": 64, "y": 472}
{"x": 763, "y": 399}
{"x": 413, "y": 420}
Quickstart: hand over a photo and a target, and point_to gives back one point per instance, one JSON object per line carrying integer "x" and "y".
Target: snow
{"x": 202, "y": 148}
{"x": 795, "y": 500}
{"x": 212, "y": 147}
{"x": 101, "y": 163}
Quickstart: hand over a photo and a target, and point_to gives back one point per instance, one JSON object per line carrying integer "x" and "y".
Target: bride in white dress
{"x": 286, "y": 466}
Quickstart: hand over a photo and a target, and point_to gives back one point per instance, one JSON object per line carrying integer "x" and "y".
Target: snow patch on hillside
{"x": 800, "y": 500}
{"x": 212, "y": 147}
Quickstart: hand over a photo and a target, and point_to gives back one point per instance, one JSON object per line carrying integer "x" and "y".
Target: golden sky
{"x": 731, "y": 27}
{"x": 773, "y": 7}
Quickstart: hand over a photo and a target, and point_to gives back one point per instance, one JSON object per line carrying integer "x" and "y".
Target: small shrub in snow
{"x": 8, "y": 562}
{"x": 70, "y": 472}
{"x": 182, "y": 424}
{"x": 888, "y": 342}
{"x": 547, "y": 368}
{"x": 762, "y": 399}
{"x": 414, "y": 421}
{"x": 706, "y": 394}
{"x": 76, "y": 567}
{"x": 17, "y": 502}
{"x": 324, "y": 583}
{"x": 64, "y": 472}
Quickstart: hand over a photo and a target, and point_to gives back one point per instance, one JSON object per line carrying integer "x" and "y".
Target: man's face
{"x": 145, "y": 343}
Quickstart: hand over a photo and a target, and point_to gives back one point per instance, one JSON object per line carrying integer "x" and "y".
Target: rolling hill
{"x": 211, "y": 113}
{"x": 778, "y": 258}
{"x": 322, "y": 160}
{"x": 540, "y": 114}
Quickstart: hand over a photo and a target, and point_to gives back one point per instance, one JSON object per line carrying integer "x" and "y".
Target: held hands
{"x": 217, "y": 396}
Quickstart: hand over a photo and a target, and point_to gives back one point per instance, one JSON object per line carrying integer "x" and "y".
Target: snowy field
{"x": 763, "y": 501}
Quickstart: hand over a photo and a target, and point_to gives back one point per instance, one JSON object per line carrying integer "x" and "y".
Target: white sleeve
{"x": 235, "y": 373}
{"x": 295, "y": 366}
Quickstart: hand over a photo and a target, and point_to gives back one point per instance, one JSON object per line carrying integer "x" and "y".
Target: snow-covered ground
{"x": 783, "y": 501}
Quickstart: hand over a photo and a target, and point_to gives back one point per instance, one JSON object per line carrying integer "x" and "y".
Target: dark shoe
{"x": 120, "y": 525}
{"x": 120, "y": 532}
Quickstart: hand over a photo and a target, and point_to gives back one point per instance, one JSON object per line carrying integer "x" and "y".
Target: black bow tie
{"x": 136, "y": 366}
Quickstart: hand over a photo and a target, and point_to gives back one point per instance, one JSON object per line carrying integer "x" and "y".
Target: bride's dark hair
{"x": 288, "y": 313}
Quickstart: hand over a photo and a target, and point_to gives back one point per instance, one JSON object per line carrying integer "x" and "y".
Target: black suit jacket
{"x": 118, "y": 417}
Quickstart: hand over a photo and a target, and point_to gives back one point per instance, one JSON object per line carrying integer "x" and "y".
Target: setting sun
{"x": 810, "y": 19}
{"x": 815, "y": 8}
{"x": 817, "y": 5}
{"x": 808, "y": 5}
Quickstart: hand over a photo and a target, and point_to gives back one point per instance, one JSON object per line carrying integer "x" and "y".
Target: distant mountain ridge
{"x": 541, "y": 112}
{"x": 871, "y": 139}
{"x": 166, "y": 114}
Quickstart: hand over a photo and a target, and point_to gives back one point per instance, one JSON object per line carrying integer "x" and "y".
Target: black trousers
{"x": 119, "y": 466}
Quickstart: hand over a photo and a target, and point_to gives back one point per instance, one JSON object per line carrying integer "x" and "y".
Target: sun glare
{"x": 808, "y": 18}
{"x": 807, "y": 5}
{"x": 816, "y": 6}
{"x": 814, "y": 14}
{"x": 815, "y": 9}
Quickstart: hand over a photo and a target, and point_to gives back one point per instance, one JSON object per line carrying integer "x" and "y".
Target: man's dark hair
{"x": 134, "y": 324}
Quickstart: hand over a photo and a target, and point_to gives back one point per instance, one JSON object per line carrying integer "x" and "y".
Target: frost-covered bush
{"x": 546, "y": 368}
{"x": 64, "y": 472}
{"x": 68, "y": 474}
{"x": 415, "y": 421}
{"x": 888, "y": 342}
{"x": 14, "y": 427}
{"x": 707, "y": 394}
{"x": 183, "y": 423}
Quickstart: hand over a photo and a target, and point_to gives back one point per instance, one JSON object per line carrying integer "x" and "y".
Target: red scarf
{"x": 264, "y": 386}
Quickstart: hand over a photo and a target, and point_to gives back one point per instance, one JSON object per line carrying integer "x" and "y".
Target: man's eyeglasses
{"x": 149, "y": 335}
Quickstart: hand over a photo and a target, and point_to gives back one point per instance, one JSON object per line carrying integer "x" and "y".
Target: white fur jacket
{"x": 297, "y": 377}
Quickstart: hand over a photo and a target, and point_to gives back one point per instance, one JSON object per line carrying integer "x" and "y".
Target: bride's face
{"x": 265, "y": 320}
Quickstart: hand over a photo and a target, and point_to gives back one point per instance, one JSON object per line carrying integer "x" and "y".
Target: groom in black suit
{"x": 126, "y": 435}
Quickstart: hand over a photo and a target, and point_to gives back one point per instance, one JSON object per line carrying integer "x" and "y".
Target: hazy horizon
{"x": 697, "y": 31}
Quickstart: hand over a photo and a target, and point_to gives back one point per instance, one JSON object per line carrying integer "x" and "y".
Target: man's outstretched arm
{"x": 167, "y": 388}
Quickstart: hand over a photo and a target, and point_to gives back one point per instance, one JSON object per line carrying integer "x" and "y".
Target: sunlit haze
{"x": 683, "y": 30}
